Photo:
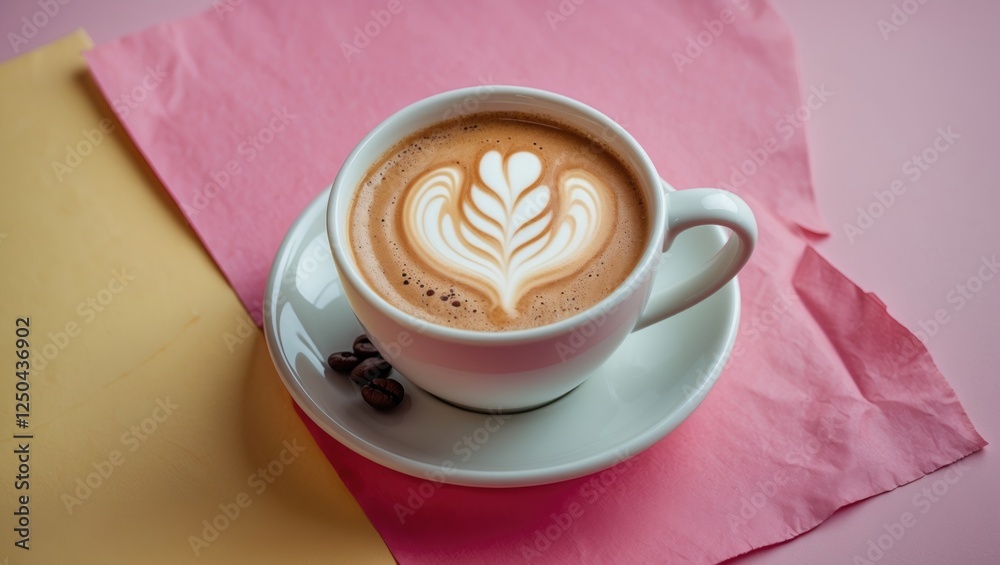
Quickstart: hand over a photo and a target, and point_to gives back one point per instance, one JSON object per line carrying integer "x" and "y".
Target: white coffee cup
{"x": 523, "y": 369}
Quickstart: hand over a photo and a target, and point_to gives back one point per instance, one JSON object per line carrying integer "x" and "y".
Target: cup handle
{"x": 698, "y": 207}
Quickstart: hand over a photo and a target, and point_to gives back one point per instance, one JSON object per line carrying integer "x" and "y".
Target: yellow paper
{"x": 160, "y": 430}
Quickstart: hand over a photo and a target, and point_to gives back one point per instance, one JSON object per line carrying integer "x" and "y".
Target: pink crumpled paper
{"x": 247, "y": 111}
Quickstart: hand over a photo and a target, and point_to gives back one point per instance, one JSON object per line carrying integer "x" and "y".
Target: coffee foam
{"x": 503, "y": 233}
{"x": 497, "y": 222}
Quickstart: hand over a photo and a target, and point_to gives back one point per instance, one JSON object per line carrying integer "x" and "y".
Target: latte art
{"x": 502, "y": 232}
{"x": 496, "y": 222}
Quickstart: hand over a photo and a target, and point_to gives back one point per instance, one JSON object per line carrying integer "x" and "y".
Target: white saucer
{"x": 654, "y": 381}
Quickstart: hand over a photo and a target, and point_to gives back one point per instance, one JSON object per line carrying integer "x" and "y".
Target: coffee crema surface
{"x": 497, "y": 222}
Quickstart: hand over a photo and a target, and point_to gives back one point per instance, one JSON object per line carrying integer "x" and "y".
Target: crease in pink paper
{"x": 826, "y": 399}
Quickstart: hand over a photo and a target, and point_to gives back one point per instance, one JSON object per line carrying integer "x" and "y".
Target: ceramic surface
{"x": 649, "y": 385}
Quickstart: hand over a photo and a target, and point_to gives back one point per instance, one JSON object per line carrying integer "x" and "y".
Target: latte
{"x": 497, "y": 222}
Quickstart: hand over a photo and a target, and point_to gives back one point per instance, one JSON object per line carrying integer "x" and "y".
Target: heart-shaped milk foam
{"x": 502, "y": 232}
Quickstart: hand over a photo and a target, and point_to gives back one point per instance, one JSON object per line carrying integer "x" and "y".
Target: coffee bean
{"x": 364, "y": 348}
{"x": 371, "y": 368}
{"x": 383, "y": 394}
{"x": 343, "y": 362}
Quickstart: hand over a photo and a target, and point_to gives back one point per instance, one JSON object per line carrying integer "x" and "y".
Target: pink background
{"x": 890, "y": 97}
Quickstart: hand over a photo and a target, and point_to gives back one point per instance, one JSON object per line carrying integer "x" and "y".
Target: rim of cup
{"x": 627, "y": 148}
